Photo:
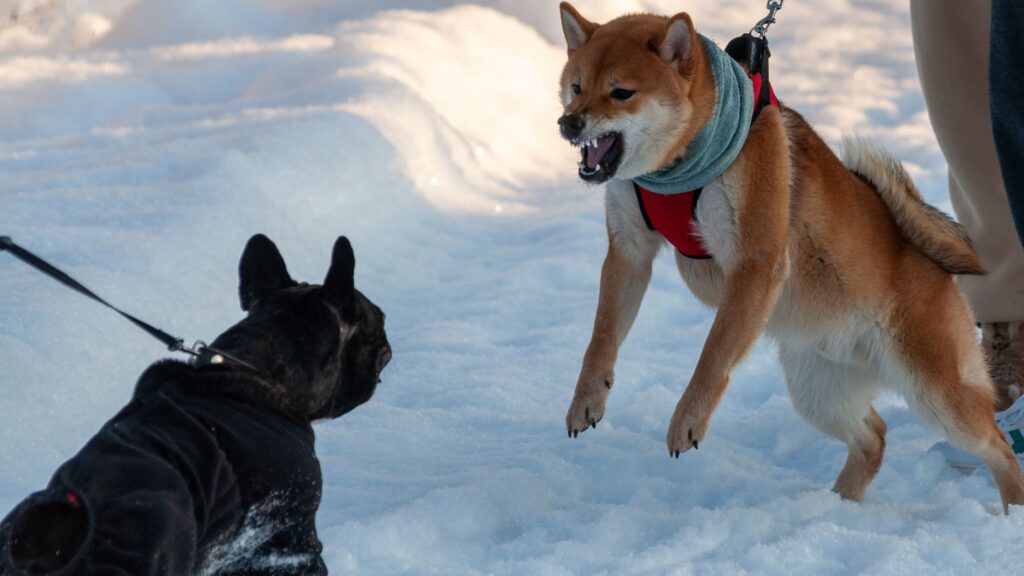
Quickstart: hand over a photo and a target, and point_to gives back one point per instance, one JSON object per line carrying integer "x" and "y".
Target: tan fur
{"x": 936, "y": 235}
{"x": 849, "y": 274}
{"x": 863, "y": 461}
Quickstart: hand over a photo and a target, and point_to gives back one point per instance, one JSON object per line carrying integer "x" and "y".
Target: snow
{"x": 142, "y": 143}
{"x": 261, "y": 523}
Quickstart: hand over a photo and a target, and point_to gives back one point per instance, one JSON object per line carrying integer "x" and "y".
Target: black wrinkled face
{"x": 364, "y": 358}
{"x": 320, "y": 347}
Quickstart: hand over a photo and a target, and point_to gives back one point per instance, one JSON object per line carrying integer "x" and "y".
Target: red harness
{"x": 675, "y": 215}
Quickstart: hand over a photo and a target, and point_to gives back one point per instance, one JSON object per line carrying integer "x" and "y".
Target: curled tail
{"x": 928, "y": 229}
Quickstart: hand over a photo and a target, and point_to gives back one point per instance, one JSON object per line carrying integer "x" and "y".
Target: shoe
{"x": 1003, "y": 344}
{"x": 1010, "y": 421}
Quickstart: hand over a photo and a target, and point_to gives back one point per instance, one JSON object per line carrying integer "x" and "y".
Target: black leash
{"x": 200, "y": 352}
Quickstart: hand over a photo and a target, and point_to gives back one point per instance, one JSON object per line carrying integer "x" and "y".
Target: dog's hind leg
{"x": 938, "y": 363}
{"x": 835, "y": 397}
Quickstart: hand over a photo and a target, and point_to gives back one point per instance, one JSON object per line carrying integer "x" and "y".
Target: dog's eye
{"x": 622, "y": 94}
{"x": 576, "y": 89}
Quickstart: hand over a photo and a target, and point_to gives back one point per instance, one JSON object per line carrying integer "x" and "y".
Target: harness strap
{"x": 675, "y": 217}
{"x": 766, "y": 94}
{"x": 754, "y": 51}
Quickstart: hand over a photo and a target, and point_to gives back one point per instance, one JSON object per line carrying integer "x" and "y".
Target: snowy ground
{"x": 141, "y": 144}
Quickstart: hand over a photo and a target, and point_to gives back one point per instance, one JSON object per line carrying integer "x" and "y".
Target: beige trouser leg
{"x": 951, "y": 44}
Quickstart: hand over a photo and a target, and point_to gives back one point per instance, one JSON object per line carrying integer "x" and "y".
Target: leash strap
{"x": 172, "y": 343}
{"x": 200, "y": 352}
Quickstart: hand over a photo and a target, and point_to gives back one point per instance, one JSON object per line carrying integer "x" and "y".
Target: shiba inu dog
{"x": 842, "y": 263}
{"x": 210, "y": 468}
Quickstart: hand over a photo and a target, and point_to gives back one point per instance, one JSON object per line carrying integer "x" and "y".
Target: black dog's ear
{"x": 261, "y": 271}
{"x": 340, "y": 281}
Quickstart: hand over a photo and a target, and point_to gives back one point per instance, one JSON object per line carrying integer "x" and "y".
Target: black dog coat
{"x": 188, "y": 478}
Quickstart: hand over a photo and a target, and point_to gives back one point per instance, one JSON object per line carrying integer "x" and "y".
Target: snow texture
{"x": 141, "y": 144}
{"x": 261, "y": 523}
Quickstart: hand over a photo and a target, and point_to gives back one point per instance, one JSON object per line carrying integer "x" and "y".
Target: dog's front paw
{"x": 588, "y": 402}
{"x": 687, "y": 429}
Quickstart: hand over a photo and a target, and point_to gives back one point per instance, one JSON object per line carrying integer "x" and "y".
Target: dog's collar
{"x": 720, "y": 140}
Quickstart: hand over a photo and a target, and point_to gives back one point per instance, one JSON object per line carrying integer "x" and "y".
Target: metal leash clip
{"x": 198, "y": 350}
{"x": 761, "y": 28}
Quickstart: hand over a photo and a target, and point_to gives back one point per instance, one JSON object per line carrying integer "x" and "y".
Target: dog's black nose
{"x": 572, "y": 125}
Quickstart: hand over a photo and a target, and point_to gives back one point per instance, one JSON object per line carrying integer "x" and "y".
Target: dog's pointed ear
{"x": 577, "y": 29}
{"x": 261, "y": 271}
{"x": 680, "y": 41}
{"x": 340, "y": 281}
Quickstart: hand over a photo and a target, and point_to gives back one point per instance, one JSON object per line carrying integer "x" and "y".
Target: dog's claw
{"x": 695, "y": 445}
{"x": 575, "y": 433}
{"x": 608, "y": 384}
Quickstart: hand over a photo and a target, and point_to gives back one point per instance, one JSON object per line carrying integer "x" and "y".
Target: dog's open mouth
{"x": 601, "y": 157}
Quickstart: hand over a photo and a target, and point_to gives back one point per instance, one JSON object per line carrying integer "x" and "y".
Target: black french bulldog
{"x": 210, "y": 468}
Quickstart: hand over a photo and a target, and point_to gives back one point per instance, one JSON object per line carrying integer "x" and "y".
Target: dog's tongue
{"x": 594, "y": 155}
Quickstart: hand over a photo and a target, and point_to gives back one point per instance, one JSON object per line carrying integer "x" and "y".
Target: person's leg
{"x": 1006, "y": 96}
{"x": 951, "y": 45}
